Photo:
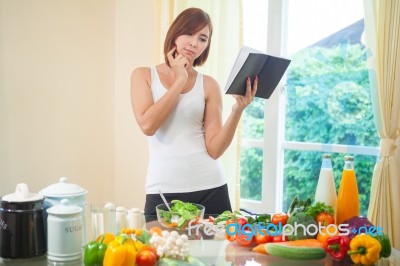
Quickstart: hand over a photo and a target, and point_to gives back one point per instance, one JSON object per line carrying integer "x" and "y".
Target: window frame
{"x": 274, "y": 125}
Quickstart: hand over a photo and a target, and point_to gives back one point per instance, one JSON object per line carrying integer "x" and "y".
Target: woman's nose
{"x": 193, "y": 42}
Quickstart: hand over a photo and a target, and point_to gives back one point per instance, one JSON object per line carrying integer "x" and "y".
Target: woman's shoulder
{"x": 211, "y": 88}
{"x": 141, "y": 71}
{"x": 209, "y": 81}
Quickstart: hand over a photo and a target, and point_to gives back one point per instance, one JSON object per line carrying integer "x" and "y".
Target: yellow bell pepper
{"x": 120, "y": 252}
{"x": 364, "y": 249}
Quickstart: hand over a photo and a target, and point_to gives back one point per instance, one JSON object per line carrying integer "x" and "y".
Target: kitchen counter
{"x": 215, "y": 250}
{"x": 221, "y": 253}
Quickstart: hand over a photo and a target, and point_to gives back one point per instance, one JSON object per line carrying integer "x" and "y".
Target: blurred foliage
{"x": 328, "y": 101}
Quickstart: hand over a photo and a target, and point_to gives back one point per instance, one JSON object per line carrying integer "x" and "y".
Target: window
{"x": 324, "y": 106}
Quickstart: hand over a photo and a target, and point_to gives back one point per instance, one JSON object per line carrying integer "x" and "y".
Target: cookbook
{"x": 251, "y": 63}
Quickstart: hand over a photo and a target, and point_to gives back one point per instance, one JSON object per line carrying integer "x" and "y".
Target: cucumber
{"x": 295, "y": 252}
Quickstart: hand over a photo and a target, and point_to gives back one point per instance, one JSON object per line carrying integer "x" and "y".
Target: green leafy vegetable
{"x": 319, "y": 207}
{"x": 298, "y": 205}
{"x": 301, "y": 232}
{"x": 227, "y": 215}
{"x": 185, "y": 210}
{"x": 262, "y": 219}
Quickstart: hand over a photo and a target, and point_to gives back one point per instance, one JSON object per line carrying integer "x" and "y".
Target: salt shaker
{"x": 134, "y": 218}
{"x": 121, "y": 218}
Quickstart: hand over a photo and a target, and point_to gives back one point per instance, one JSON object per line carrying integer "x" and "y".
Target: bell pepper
{"x": 120, "y": 252}
{"x": 364, "y": 249}
{"x": 94, "y": 252}
{"x": 337, "y": 246}
{"x": 385, "y": 244}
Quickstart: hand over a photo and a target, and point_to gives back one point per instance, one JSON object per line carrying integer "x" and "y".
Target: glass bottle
{"x": 348, "y": 204}
{"x": 326, "y": 189}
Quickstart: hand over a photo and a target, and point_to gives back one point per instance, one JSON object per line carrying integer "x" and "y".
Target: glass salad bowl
{"x": 180, "y": 215}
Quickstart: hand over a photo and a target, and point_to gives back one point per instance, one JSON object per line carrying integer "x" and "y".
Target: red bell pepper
{"x": 337, "y": 246}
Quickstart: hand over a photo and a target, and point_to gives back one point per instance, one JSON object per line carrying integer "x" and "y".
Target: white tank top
{"x": 178, "y": 160}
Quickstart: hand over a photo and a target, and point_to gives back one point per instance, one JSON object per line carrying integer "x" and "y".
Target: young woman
{"x": 179, "y": 109}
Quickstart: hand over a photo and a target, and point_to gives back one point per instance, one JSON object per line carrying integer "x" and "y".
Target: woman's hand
{"x": 243, "y": 101}
{"x": 178, "y": 64}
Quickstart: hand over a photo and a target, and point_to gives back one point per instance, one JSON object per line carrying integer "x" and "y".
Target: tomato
{"x": 236, "y": 225}
{"x": 232, "y": 228}
{"x": 241, "y": 221}
{"x": 146, "y": 257}
{"x": 244, "y": 240}
{"x": 262, "y": 237}
{"x": 280, "y": 218}
{"x": 279, "y": 238}
{"x": 325, "y": 218}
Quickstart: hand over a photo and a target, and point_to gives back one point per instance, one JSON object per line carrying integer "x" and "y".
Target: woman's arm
{"x": 218, "y": 137}
{"x": 151, "y": 115}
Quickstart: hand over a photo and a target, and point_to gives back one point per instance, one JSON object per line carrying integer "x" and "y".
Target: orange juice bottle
{"x": 348, "y": 204}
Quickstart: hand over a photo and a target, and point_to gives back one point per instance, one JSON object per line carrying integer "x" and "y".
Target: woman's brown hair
{"x": 190, "y": 21}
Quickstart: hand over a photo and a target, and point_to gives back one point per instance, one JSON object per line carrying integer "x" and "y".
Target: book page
{"x": 240, "y": 59}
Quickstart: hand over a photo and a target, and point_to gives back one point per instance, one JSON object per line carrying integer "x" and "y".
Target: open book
{"x": 252, "y": 63}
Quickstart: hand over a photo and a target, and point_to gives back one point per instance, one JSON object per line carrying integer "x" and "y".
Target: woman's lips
{"x": 189, "y": 52}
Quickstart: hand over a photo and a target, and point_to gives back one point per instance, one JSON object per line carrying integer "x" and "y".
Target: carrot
{"x": 260, "y": 248}
{"x": 310, "y": 242}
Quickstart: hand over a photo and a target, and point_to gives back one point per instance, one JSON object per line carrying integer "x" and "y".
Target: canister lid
{"x": 22, "y": 194}
{"x": 63, "y": 189}
{"x": 64, "y": 208}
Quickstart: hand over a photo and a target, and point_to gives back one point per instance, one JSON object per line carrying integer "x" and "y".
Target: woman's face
{"x": 193, "y": 45}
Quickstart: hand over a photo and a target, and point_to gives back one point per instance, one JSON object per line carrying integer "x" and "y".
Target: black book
{"x": 251, "y": 63}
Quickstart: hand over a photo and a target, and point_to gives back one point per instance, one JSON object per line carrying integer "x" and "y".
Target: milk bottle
{"x": 326, "y": 189}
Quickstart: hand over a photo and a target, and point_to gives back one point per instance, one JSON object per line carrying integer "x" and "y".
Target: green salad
{"x": 182, "y": 213}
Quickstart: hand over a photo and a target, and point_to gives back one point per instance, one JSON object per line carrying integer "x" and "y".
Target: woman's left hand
{"x": 243, "y": 101}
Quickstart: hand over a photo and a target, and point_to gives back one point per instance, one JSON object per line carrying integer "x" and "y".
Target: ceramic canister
{"x": 76, "y": 195}
{"x": 22, "y": 225}
{"x": 64, "y": 232}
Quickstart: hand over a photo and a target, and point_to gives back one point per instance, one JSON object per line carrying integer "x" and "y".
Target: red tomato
{"x": 280, "y": 218}
{"x": 244, "y": 240}
{"x": 279, "y": 238}
{"x": 229, "y": 237}
{"x": 262, "y": 237}
{"x": 241, "y": 221}
{"x": 325, "y": 218}
{"x": 146, "y": 257}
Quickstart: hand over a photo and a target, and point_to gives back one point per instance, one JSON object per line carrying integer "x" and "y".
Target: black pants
{"x": 215, "y": 200}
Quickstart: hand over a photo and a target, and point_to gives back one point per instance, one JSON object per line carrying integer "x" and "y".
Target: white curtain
{"x": 382, "y": 24}
{"x": 226, "y": 18}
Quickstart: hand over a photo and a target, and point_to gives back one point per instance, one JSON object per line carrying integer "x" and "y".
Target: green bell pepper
{"x": 386, "y": 245}
{"x": 94, "y": 253}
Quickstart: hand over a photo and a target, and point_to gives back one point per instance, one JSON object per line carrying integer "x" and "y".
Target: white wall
{"x": 65, "y": 106}
{"x": 134, "y": 46}
{"x": 64, "y": 95}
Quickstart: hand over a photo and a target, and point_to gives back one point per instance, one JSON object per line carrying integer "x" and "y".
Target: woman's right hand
{"x": 178, "y": 64}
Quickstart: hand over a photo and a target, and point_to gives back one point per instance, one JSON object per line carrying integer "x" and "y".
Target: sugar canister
{"x": 64, "y": 232}
{"x": 64, "y": 189}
